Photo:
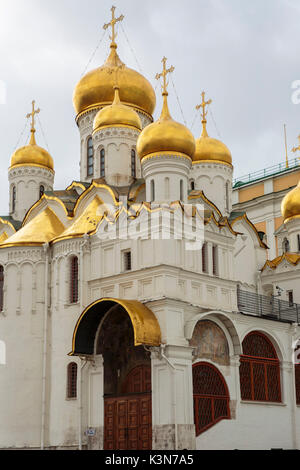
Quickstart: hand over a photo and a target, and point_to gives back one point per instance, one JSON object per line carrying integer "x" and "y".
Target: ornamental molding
{"x": 118, "y": 132}
{"x": 31, "y": 171}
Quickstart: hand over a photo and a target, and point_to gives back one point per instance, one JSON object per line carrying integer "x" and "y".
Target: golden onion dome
{"x": 32, "y": 154}
{"x": 96, "y": 88}
{"x": 290, "y": 206}
{"x": 208, "y": 148}
{"x": 165, "y": 135}
{"x": 117, "y": 115}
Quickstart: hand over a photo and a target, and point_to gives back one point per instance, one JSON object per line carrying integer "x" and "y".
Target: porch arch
{"x": 145, "y": 325}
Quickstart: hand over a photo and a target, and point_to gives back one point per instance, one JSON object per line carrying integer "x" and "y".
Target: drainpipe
{"x": 162, "y": 349}
{"x": 80, "y": 382}
{"x": 45, "y": 334}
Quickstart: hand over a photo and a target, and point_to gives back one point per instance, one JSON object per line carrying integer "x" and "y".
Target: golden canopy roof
{"x": 32, "y": 154}
{"x": 116, "y": 115}
{"x": 290, "y": 206}
{"x": 96, "y": 88}
{"x": 208, "y": 148}
{"x": 165, "y": 135}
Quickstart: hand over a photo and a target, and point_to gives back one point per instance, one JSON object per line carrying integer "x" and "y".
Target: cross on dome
{"x": 203, "y": 106}
{"x": 164, "y": 74}
{"x": 32, "y": 116}
{"x": 112, "y": 24}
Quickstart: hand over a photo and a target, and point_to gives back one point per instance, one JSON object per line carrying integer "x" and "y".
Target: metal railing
{"x": 269, "y": 171}
{"x": 272, "y": 308}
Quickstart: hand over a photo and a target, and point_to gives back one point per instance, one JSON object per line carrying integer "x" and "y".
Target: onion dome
{"x": 165, "y": 135}
{"x": 32, "y": 154}
{"x": 117, "y": 115}
{"x": 290, "y": 206}
{"x": 208, "y": 148}
{"x": 96, "y": 88}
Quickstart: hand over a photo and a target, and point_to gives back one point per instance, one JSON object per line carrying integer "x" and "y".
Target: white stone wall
{"x": 27, "y": 181}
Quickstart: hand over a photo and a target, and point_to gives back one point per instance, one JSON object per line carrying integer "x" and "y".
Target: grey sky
{"x": 244, "y": 54}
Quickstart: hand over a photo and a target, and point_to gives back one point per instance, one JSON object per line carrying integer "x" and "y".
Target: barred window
{"x": 90, "y": 157}
{"x": 1, "y": 287}
{"x": 74, "y": 281}
{"x": 133, "y": 163}
{"x": 102, "y": 163}
{"x": 211, "y": 396}
{"x": 297, "y": 383}
{"x": 72, "y": 380}
{"x": 259, "y": 369}
{"x": 127, "y": 262}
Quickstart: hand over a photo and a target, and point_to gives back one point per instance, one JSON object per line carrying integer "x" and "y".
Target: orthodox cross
{"x": 164, "y": 74}
{"x": 32, "y": 114}
{"x": 294, "y": 149}
{"x": 113, "y": 23}
{"x": 203, "y": 106}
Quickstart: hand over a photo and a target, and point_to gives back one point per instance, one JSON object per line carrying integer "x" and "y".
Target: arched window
{"x": 13, "y": 199}
{"x": 192, "y": 185}
{"x": 204, "y": 258}
{"x": 211, "y": 396}
{"x": 102, "y": 163}
{"x": 152, "y": 189}
{"x": 72, "y": 380}
{"x": 74, "y": 281}
{"x": 42, "y": 191}
{"x": 133, "y": 163}
{"x": 259, "y": 369}
{"x": 1, "y": 287}
{"x": 90, "y": 157}
{"x": 285, "y": 246}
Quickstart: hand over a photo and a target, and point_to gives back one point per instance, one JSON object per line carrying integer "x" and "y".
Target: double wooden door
{"x": 128, "y": 418}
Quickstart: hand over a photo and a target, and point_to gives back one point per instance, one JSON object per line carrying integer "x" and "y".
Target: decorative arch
{"x": 211, "y": 396}
{"x": 145, "y": 325}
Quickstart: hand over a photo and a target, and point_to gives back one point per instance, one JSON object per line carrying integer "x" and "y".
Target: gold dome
{"x": 96, "y": 88}
{"x": 165, "y": 135}
{"x": 208, "y": 148}
{"x": 117, "y": 114}
{"x": 32, "y": 154}
{"x": 290, "y": 206}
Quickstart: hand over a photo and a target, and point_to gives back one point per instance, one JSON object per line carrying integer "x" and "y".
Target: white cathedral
{"x": 110, "y": 341}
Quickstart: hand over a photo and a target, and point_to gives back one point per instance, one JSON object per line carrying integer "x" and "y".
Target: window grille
{"x": 90, "y": 157}
{"x": 74, "y": 281}
{"x": 259, "y": 370}
{"x": 127, "y": 261}
{"x": 1, "y": 287}
{"x": 72, "y": 380}
{"x": 133, "y": 163}
{"x": 102, "y": 163}
{"x": 211, "y": 397}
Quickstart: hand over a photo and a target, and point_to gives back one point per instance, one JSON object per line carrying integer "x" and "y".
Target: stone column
{"x": 96, "y": 404}
{"x": 172, "y": 399}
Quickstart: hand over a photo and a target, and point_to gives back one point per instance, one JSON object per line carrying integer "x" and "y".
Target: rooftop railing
{"x": 266, "y": 172}
{"x": 271, "y": 308}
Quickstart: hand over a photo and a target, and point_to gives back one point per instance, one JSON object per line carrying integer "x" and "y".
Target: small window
{"x": 133, "y": 163}
{"x": 192, "y": 185}
{"x": 1, "y": 287}
{"x": 13, "y": 199}
{"x": 285, "y": 246}
{"x": 152, "y": 187}
{"x": 42, "y": 191}
{"x": 74, "y": 281}
{"x": 102, "y": 163}
{"x": 298, "y": 240}
{"x": 90, "y": 157}
{"x": 290, "y": 296}
{"x": 181, "y": 190}
{"x": 204, "y": 258}
{"x": 215, "y": 260}
{"x": 127, "y": 261}
{"x": 72, "y": 380}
